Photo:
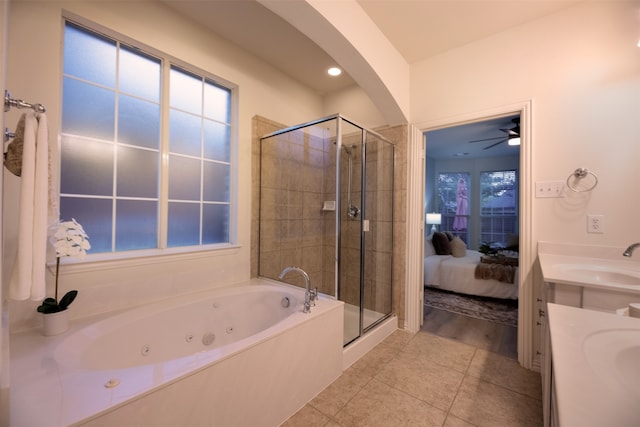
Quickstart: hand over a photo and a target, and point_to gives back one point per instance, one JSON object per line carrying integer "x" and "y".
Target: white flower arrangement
{"x": 69, "y": 240}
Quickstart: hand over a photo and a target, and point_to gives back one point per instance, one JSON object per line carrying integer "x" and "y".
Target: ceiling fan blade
{"x": 493, "y": 145}
{"x": 486, "y": 139}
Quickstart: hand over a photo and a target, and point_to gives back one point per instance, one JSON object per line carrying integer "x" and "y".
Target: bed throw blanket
{"x": 499, "y": 272}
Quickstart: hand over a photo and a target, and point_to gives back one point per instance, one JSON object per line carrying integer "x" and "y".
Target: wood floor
{"x": 490, "y": 336}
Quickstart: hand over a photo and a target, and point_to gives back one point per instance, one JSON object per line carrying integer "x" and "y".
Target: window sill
{"x": 110, "y": 261}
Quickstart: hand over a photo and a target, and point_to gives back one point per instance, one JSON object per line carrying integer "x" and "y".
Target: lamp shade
{"x": 434, "y": 218}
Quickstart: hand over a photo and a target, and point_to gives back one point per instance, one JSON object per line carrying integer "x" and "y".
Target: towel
{"x": 13, "y": 157}
{"x": 28, "y": 274}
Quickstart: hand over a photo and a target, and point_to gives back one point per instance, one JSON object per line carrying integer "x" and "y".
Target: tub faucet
{"x": 630, "y": 249}
{"x": 310, "y": 295}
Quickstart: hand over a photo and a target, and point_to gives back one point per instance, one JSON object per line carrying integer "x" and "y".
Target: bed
{"x": 458, "y": 274}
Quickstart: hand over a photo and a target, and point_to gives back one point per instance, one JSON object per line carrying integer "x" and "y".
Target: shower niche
{"x": 326, "y": 206}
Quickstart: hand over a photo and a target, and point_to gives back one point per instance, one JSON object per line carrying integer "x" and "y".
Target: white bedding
{"x": 458, "y": 275}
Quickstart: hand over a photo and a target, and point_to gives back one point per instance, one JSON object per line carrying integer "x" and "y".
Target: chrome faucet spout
{"x": 630, "y": 249}
{"x": 310, "y": 295}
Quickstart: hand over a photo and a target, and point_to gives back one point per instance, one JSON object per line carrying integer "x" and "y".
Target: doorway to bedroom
{"x": 472, "y": 206}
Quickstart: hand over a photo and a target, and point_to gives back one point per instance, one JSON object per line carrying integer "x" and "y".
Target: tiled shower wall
{"x": 295, "y": 230}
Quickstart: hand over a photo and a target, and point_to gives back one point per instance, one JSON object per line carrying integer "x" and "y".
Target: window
{"x": 132, "y": 184}
{"x": 453, "y": 195}
{"x": 498, "y": 206}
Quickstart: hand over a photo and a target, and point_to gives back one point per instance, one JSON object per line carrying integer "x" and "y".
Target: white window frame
{"x": 516, "y": 191}
{"x": 160, "y": 254}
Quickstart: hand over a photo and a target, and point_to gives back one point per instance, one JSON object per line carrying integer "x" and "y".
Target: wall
{"x": 34, "y": 64}
{"x": 353, "y": 104}
{"x": 581, "y": 68}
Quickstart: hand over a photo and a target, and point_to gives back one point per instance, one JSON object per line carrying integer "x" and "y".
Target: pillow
{"x": 449, "y": 235}
{"x": 458, "y": 247}
{"x": 441, "y": 243}
{"x": 428, "y": 246}
{"x": 513, "y": 242}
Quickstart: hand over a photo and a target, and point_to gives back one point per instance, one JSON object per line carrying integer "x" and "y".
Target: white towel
{"x": 28, "y": 275}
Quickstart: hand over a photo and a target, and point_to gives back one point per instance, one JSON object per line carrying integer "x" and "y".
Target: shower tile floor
{"x": 425, "y": 380}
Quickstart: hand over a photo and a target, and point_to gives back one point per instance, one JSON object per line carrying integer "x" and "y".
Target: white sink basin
{"x": 596, "y": 367}
{"x": 602, "y": 274}
{"x": 614, "y": 356}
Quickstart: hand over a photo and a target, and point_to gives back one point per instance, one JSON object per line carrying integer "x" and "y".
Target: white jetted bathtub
{"x": 244, "y": 355}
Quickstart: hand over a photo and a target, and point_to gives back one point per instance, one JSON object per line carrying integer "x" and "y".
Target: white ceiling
{"x": 418, "y": 29}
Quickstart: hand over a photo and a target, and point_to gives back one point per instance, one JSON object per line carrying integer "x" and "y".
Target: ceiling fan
{"x": 512, "y": 135}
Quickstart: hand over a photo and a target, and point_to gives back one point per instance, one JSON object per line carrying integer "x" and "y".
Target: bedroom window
{"x": 453, "y": 193}
{"x": 498, "y": 206}
{"x": 145, "y": 147}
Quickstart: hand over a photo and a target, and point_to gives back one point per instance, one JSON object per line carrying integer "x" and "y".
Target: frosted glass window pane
{"x": 136, "y": 225}
{"x": 215, "y": 224}
{"x": 184, "y": 178}
{"x": 216, "y": 182}
{"x": 139, "y": 75}
{"x": 88, "y": 110}
{"x": 89, "y": 56}
{"x": 138, "y": 122}
{"x": 184, "y": 224}
{"x": 217, "y": 141}
{"x": 217, "y": 103}
{"x": 186, "y": 91}
{"x": 137, "y": 173}
{"x": 185, "y": 133}
{"x": 86, "y": 167}
{"x": 95, "y": 217}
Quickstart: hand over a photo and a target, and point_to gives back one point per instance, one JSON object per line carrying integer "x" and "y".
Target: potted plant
{"x": 70, "y": 240}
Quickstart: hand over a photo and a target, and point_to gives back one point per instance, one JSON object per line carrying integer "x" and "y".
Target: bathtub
{"x": 245, "y": 355}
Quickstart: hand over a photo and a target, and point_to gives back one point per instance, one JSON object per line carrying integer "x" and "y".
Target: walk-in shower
{"x": 326, "y": 206}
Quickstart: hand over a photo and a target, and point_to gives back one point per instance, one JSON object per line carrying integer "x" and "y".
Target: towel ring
{"x": 578, "y": 175}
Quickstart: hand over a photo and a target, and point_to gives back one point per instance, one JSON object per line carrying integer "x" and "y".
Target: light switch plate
{"x": 550, "y": 188}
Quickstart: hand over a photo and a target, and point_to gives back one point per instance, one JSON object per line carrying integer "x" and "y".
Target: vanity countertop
{"x": 589, "y": 266}
{"x": 596, "y": 367}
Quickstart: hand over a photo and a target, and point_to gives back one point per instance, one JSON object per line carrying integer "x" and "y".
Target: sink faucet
{"x": 630, "y": 249}
{"x": 310, "y": 295}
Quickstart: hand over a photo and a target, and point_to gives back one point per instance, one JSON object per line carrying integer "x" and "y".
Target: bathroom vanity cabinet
{"x": 584, "y": 277}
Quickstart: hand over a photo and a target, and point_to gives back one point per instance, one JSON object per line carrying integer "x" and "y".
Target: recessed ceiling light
{"x": 334, "y": 71}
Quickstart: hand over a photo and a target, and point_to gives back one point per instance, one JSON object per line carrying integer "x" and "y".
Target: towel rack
{"x": 8, "y": 134}
{"x": 574, "y": 180}
{"x": 19, "y": 103}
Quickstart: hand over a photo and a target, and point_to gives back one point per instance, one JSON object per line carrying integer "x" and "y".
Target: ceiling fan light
{"x": 515, "y": 140}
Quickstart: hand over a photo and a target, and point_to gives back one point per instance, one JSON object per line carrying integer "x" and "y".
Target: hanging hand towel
{"x": 13, "y": 157}
{"x": 28, "y": 275}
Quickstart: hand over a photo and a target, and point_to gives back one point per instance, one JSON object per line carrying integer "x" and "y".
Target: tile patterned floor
{"x": 426, "y": 380}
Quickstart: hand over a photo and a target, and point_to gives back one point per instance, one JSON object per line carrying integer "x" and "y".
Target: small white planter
{"x": 55, "y": 323}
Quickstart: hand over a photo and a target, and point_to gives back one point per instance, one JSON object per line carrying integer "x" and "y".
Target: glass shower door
{"x": 377, "y": 230}
{"x": 350, "y": 223}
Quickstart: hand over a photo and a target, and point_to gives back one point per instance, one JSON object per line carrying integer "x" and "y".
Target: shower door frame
{"x": 361, "y": 303}
{"x": 339, "y": 204}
